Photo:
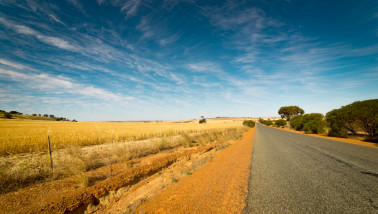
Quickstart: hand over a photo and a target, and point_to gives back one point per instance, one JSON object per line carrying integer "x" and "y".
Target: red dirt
{"x": 61, "y": 197}
{"x": 219, "y": 187}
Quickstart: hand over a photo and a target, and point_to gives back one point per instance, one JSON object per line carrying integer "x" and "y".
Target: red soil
{"x": 219, "y": 187}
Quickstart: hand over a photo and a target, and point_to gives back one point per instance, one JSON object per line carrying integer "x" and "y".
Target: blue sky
{"x": 181, "y": 59}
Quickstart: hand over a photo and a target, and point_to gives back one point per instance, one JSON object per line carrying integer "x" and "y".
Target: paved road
{"x": 295, "y": 173}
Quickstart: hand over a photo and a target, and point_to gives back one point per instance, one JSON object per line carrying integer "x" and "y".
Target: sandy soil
{"x": 219, "y": 187}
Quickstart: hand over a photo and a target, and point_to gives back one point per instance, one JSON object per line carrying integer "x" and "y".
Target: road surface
{"x": 295, "y": 173}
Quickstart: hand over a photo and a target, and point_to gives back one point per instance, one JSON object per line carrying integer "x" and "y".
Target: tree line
{"x": 357, "y": 117}
{"x": 12, "y": 114}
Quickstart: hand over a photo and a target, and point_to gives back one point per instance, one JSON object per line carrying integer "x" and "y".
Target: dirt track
{"x": 219, "y": 187}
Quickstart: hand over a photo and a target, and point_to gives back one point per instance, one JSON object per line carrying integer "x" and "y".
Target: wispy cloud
{"x": 169, "y": 40}
{"x": 13, "y": 64}
{"x": 53, "y": 17}
{"x": 59, "y": 84}
{"x": 130, "y": 7}
{"x": 51, "y": 40}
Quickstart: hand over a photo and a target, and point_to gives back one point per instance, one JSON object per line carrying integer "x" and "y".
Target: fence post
{"x": 51, "y": 159}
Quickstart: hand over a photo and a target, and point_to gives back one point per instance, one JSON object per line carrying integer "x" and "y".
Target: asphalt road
{"x": 295, "y": 173}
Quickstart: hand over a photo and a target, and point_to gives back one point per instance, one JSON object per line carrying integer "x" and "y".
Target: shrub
{"x": 296, "y": 122}
{"x": 314, "y": 123}
{"x": 336, "y": 124}
{"x": 266, "y": 122}
{"x": 280, "y": 122}
{"x": 202, "y": 121}
{"x": 360, "y": 115}
{"x": 249, "y": 123}
{"x": 7, "y": 115}
{"x": 310, "y": 123}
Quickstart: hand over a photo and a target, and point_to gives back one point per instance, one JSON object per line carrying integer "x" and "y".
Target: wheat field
{"x": 19, "y": 136}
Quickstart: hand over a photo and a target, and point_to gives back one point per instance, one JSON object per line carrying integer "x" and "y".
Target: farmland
{"x": 80, "y": 147}
{"x": 20, "y": 136}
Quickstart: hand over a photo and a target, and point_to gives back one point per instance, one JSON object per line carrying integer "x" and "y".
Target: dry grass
{"x": 17, "y": 171}
{"x": 25, "y": 136}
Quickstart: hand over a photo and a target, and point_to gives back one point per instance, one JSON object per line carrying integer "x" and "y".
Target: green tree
{"x": 289, "y": 111}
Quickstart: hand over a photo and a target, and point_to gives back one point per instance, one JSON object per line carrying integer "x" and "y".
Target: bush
{"x": 280, "y": 122}
{"x": 15, "y": 112}
{"x": 310, "y": 123}
{"x": 314, "y": 123}
{"x": 360, "y": 115}
{"x": 266, "y": 122}
{"x": 7, "y": 115}
{"x": 296, "y": 122}
{"x": 249, "y": 123}
{"x": 335, "y": 124}
{"x": 202, "y": 121}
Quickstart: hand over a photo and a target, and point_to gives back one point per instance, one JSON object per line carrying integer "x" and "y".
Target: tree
{"x": 34, "y": 114}
{"x": 289, "y": 111}
{"x": 46, "y": 115}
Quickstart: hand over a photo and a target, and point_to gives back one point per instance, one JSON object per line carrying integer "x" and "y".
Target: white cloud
{"x": 205, "y": 67}
{"x": 54, "y": 41}
{"x": 59, "y": 84}
{"x": 53, "y": 17}
{"x": 131, "y": 7}
{"x": 169, "y": 40}
{"x": 13, "y": 64}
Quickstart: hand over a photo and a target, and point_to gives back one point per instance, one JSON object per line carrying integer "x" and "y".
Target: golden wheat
{"x": 18, "y": 136}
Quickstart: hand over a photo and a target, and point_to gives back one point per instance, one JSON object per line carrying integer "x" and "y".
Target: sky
{"x": 182, "y": 59}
